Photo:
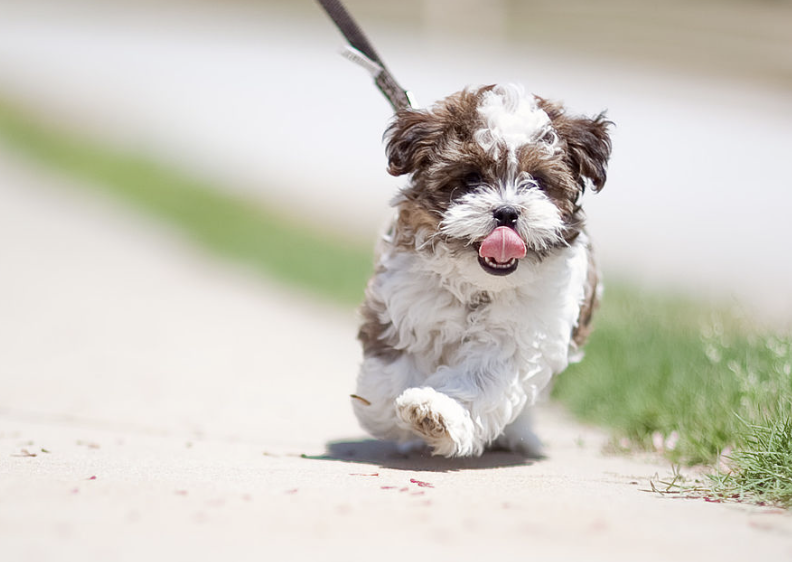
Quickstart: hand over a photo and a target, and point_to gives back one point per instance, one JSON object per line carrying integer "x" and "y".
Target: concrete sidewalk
{"x": 156, "y": 405}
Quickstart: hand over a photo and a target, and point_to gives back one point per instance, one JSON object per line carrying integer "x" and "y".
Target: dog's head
{"x": 496, "y": 175}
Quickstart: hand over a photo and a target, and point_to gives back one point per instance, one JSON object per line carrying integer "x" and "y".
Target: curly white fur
{"x": 513, "y": 119}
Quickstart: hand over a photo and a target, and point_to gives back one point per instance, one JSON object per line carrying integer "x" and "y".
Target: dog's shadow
{"x": 387, "y": 455}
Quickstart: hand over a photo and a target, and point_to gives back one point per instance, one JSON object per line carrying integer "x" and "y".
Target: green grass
{"x": 762, "y": 467}
{"x": 699, "y": 387}
{"x": 235, "y": 227}
{"x": 661, "y": 372}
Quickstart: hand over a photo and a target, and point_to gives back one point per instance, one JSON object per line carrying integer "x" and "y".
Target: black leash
{"x": 361, "y": 52}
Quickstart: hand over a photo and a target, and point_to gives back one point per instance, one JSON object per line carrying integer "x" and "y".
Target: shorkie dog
{"x": 485, "y": 281}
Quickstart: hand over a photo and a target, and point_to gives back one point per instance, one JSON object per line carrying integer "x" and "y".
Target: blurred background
{"x": 253, "y": 97}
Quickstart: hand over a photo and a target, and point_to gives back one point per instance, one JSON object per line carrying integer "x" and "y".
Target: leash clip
{"x": 352, "y": 54}
{"x": 361, "y": 52}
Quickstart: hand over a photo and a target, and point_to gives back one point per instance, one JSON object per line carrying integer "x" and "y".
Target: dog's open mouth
{"x": 500, "y": 252}
{"x": 495, "y": 268}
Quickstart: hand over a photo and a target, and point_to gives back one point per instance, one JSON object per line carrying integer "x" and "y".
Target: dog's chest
{"x": 440, "y": 320}
{"x": 512, "y": 329}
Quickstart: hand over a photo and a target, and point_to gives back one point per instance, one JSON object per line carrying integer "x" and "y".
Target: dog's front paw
{"x": 440, "y": 420}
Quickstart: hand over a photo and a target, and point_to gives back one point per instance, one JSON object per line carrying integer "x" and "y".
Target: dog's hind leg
{"x": 379, "y": 383}
{"x": 519, "y": 437}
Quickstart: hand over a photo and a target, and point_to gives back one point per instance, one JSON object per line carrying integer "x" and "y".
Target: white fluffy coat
{"x": 473, "y": 366}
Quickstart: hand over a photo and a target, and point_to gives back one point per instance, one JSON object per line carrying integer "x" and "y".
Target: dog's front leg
{"x": 462, "y": 409}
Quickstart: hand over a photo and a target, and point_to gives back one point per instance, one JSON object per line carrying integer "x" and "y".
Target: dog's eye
{"x": 550, "y": 137}
{"x": 540, "y": 182}
{"x": 473, "y": 179}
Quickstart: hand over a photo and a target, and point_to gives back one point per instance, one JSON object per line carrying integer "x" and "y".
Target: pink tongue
{"x": 502, "y": 245}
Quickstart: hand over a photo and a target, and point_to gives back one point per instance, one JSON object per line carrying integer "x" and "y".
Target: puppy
{"x": 485, "y": 282}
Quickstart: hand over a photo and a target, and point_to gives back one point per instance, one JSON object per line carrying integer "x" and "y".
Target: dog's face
{"x": 496, "y": 176}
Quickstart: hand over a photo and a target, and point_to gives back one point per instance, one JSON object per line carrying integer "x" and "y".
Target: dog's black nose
{"x": 506, "y": 216}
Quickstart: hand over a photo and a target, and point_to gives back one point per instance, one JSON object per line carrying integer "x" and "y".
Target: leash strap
{"x": 361, "y": 52}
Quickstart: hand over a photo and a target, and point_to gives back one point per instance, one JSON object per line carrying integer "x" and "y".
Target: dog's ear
{"x": 588, "y": 144}
{"x": 412, "y": 139}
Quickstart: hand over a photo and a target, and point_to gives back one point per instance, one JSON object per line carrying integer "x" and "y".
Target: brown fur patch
{"x": 588, "y": 144}
{"x": 413, "y": 218}
{"x": 372, "y": 332}
{"x": 418, "y": 137}
{"x": 590, "y": 302}
{"x": 553, "y": 176}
